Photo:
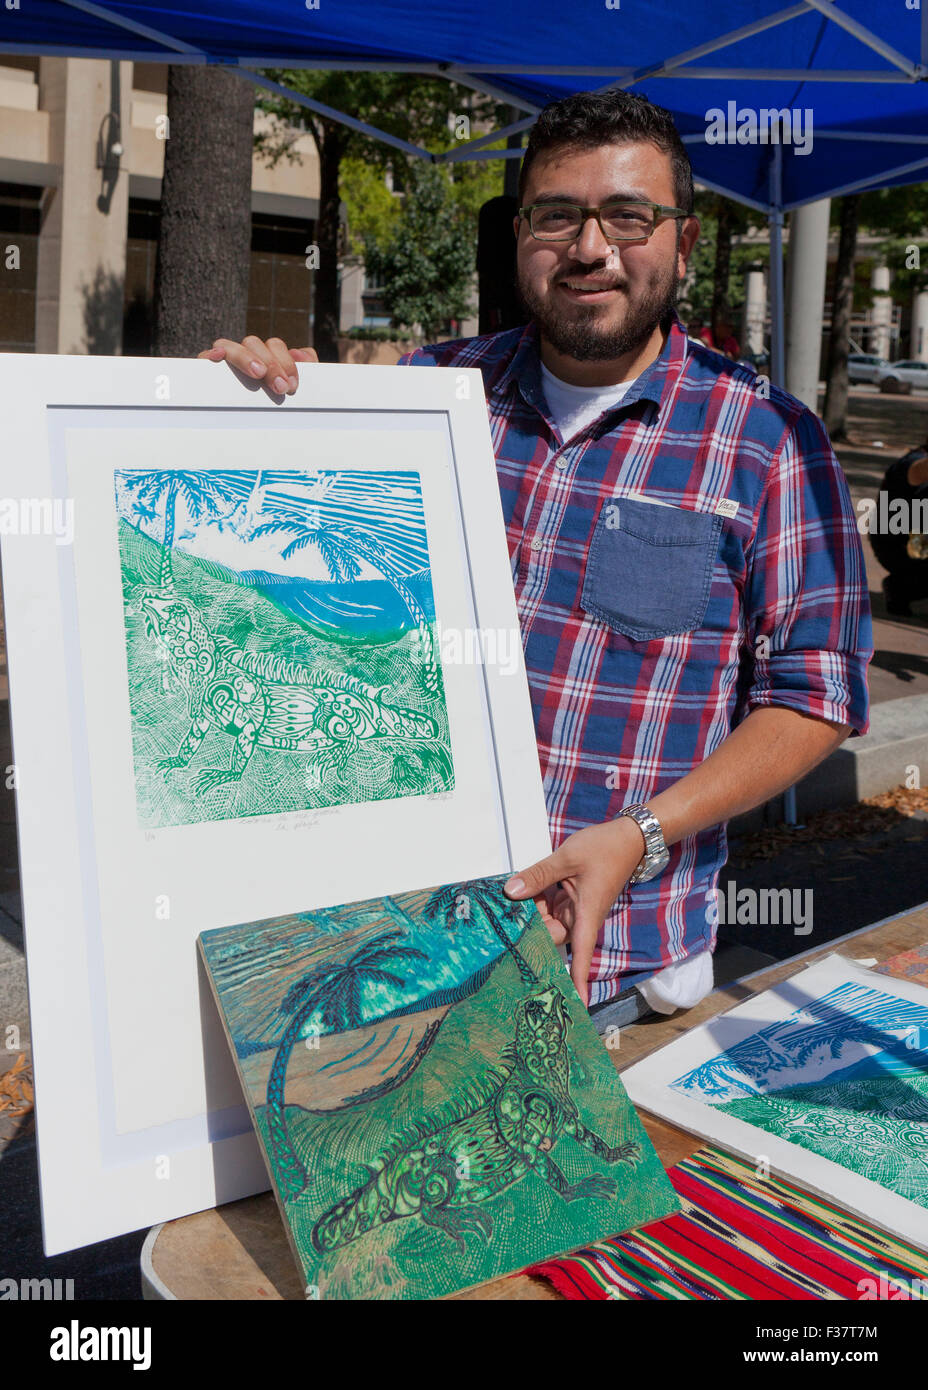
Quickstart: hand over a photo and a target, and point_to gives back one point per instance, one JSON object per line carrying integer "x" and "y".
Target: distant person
{"x": 905, "y": 553}
{"x": 720, "y": 337}
{"x": 724, "y": 340}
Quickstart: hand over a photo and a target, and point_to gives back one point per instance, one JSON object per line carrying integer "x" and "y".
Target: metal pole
{"x": 778, "y": 337}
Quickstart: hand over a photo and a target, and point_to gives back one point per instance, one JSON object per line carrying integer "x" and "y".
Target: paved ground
{"x": 859, "y": 868}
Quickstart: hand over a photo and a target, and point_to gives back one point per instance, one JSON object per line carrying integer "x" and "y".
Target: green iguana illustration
{"x": 446, "y": 1168}
{"x": 261, "y": 699}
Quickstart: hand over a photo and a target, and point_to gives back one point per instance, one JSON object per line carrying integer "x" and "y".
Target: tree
{"x": 481, "y": 899}
{"x": 842, "y": 303}
{"x": 411, "y": 107}
{"x": 718, "y": 256}
{"x": 341, "y": 547}
{"x": 427, "y": 266}
{"x": 335, "y": 991}
{"x": 201, "y": 276}
{"x": 200, "y": 493}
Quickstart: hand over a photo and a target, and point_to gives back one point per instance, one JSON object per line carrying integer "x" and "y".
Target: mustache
{"x": 586, "y": 276}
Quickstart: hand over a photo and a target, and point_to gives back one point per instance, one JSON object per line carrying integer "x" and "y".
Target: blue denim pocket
{"x": 649, "y": 569}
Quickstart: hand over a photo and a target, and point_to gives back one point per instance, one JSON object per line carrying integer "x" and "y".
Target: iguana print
{"x": 445, "y": 1169}
{"x": 262, "y": 700}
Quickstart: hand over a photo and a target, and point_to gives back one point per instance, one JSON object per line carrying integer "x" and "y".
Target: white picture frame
{"x": 835, "y": 1044}
{"x": 139, "y": 1114}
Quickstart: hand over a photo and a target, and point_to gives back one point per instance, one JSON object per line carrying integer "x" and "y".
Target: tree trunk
{"x": 722, "y": 269}
{"x": 841, "y": 306}
{"x": 201, "y": 279}
{"x": 325, "y": 285}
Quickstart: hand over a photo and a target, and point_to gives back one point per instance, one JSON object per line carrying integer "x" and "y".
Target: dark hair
{"x": 589, "y": 119}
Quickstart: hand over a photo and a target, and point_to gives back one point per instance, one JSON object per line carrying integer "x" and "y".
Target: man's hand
{"x": 575, "y": 888}
{"x": 272, "y": 363}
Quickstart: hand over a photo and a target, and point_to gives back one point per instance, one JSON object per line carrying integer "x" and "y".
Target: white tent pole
{"x": 713, "y": 45}
{"x": 830, "y": 10}
{"x": 775, "y": 220}
{"x": 873, "y": 181}
{"x": 876, "y": 136}
{"x": 331, "y": 114}
{"x": 156, "y": 35}
{"x": 778, "y": 337}
{"x": 789, "y": 75}
{"x": 466, "y": 150}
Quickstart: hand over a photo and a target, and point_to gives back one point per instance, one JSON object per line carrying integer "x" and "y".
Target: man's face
{"x": 596, "y": 300}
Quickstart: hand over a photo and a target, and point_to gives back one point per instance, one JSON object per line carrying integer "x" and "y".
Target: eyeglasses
{"x": 631, "y": 219}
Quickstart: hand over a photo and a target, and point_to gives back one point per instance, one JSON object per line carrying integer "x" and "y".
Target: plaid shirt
{"x": 650, "y": 633}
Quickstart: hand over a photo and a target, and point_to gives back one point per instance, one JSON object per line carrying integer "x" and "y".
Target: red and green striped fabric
{"x": 740, "y": 1236}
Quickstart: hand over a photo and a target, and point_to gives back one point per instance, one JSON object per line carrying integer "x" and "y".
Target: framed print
{"x": 262, "y": 656}
{"x": 823, "y": 1079}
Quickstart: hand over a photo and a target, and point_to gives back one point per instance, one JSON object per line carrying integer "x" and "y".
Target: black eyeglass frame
{"x": 661, "y": 211}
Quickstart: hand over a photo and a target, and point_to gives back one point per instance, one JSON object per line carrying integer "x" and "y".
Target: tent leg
{"x": 778, "y": 337}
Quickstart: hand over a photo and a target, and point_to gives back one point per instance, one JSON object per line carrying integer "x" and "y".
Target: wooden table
{"x": 239, "y": 1251}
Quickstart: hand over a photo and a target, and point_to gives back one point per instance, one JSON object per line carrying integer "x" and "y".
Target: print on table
{"x": 434, "y": 1105}
{"x": 845, "y": 1077}
{"x": 280, "y": 641}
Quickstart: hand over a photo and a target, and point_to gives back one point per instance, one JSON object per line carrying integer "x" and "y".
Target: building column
{"x": 754, "y": 316}
{"x": 82, "y": 241}
{"x": 808, "y": 257}
{"x": 881, "y": 313}
{"x": 919, "y": 336}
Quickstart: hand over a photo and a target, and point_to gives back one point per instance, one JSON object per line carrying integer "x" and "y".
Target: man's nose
{"x": 591, "y": 245}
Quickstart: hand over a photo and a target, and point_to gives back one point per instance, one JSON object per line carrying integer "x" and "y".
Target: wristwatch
{"x": 656, "y": 853}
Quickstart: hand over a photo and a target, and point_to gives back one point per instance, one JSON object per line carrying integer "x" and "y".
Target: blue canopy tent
{"x": 860, "y": 69}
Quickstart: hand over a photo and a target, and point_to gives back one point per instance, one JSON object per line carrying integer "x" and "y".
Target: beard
{"x": 579, "y": 333}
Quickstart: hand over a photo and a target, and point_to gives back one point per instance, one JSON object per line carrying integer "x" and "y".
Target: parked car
{"x": 863, "y": 366}
{"x": 898, "y": 378}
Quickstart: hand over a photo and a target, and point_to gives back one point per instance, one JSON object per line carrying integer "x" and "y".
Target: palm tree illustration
{"x": 342, "y": 547}
{"x": 200, "y": 491}
{"x": 334, "y": 991}
{"x": 484, "y": 903}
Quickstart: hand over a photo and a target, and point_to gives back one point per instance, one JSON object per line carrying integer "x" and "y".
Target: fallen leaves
{"x": 874, "y": 816}
{"x": 16, "y": 1090}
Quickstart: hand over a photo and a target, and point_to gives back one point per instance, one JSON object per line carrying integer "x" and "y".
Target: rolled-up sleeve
{"x": 807, "y": 604}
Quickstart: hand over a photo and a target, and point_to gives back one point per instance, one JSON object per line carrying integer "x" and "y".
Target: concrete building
{"x": 81, "y": 156}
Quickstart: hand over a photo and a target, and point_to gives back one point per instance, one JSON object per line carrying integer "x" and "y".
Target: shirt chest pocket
{"x": 649, "y": 568}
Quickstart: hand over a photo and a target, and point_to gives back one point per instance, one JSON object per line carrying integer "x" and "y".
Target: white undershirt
{"x": 682, "y": 985}
{"x": 573, "y": 407}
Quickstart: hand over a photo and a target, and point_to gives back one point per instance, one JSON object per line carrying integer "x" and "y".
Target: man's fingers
{"x": 556, "y": 928}
{"x": 582, "y": 946}
{"x": 276, "y": 361}
{"x": 530, "y": 882}
{"x": 272, "y": 363}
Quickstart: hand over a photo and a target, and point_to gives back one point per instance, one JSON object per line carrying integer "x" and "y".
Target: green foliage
{"x": 696, "y": 297}
{"x": 373, "y": 211}
{"x": 427, "y": 265}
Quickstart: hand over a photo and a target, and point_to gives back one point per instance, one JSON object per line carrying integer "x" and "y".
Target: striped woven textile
{"x": 743, "y": 1237}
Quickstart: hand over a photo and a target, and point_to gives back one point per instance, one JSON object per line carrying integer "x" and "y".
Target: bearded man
{"x": 687, "y": 565}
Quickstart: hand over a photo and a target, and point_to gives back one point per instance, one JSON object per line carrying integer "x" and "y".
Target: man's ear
{"x": 515, "y": 225}
{"x": 689, "y": 235}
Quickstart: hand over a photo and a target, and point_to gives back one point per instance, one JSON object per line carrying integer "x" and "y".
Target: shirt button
{"x": 562, "y": 463}
{"x": 537, "y": 544}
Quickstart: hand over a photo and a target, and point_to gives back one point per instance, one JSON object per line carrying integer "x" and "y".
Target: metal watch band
{"x": 656, "y": 854}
